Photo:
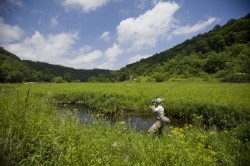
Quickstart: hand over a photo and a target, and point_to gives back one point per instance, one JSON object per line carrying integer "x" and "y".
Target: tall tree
{"x": 67, "y": 77}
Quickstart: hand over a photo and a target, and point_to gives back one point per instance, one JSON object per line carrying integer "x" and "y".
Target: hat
{"x": 158, "y": 100}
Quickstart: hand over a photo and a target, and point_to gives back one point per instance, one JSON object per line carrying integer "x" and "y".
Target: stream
{"x": 140, "y": 121}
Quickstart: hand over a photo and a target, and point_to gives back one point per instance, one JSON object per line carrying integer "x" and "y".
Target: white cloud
{"x": 16, "y": 2}
{"x": 106, "y": 65}
{"x": 7, "y": 3}
{"x": 43, "y": 48}
{"x": 54, "y": 22}
{"x": 141, "y": 4}
{"x": 146, "y": 29}
{"x": 111, "y": 55}
{"x": 113, "y": 52}
{"x": 85, "y": 49}
{"x": 90, "y": 57}
{"x": 9, "y": 33}
{"x": 137, "y": 58}
{"x": 124, "y": 12}
{"x": 185, "y": 30}
{"x": 105, "y": 36}
{"x": 154, "y": 1}
{"x": 84, "y": 5}
{"x": 55, "y": 49}
{"x": 84, "y": 61}
{"x": 58, "y": 49}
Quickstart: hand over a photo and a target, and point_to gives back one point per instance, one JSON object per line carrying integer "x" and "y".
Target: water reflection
{"x": 140, "y": 121}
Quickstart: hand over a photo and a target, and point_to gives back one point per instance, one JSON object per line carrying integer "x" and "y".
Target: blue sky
{"x": 107, "y": 34}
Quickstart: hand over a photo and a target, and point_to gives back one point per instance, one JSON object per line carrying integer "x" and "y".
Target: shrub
{"x": 237, "y": 77}
{"x": 159, "y": 77}
{"x": 58, "y": 79}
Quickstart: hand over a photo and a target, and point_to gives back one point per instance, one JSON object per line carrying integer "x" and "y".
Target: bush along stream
{"x": 34, "y": 132}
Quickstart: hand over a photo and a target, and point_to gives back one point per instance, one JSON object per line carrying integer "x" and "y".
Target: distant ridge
{"x": 13, "y": 69}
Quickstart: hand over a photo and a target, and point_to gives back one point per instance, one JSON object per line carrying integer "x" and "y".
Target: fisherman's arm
{"x": 152, "y": 108}
{"x": 157, "y": 109}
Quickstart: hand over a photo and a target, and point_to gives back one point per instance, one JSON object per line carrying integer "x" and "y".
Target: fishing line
{"x": 168, "y": 89}
{"x": 141, "y": 92}
{"x": 182, "y": 82}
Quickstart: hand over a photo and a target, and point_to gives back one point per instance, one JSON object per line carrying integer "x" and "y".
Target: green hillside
{"x": 222, "y": 53}
{"x": 13, "y": 70}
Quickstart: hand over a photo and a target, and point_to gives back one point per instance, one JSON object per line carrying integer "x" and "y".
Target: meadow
{"x": 222, "y": 104}
{"x": 34, "y": 132}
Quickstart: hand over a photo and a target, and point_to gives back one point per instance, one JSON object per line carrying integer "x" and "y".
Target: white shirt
{"x": 159, "y": 111}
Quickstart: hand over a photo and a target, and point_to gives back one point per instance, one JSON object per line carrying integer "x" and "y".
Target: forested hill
{"x": 58, "y": 70}
{"x": 13, "y": 69}
{"x": 222, "y": 53}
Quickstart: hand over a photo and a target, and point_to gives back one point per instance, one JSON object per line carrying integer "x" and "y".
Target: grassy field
{"x": 33, "y": 132}
{"x": 222, "y": 104}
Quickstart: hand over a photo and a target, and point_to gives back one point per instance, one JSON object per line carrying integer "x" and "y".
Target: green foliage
{"x": 58, "y": 79}
{"x": 76, "y": 81}
{"x": 216, "y": 102}
{"x": 57, "y": 70}
{"x": 35, "y": 133}
{"x": 150, "y": 79}
{"x": 236, "y": 77}
{"x": 92, "y": 79}
{"x": 67, "y": 77}
{"x": 11, "y": 68}
{"x": 159, "y": 77}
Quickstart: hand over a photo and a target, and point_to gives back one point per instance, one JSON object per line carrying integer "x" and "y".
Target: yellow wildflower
{"x": 182, "y": 136}
{"x": 213, "y": 153}
{"x": 122, "y": 123}
{"x": 207, "y": 159}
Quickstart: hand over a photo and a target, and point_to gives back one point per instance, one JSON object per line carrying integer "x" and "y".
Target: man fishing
{"x": 157, "y": 108}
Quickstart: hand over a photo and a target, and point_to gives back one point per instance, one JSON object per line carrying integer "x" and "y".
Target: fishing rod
{"x": 172, "y": 87}
{"x": 168, "y": 89}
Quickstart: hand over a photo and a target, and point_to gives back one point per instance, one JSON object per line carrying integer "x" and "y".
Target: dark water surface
{"x": 140, "y": 121}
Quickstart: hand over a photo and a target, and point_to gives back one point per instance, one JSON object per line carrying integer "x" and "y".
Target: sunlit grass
{"x": 36, "y": 133}
{"x": 217, "y": 102}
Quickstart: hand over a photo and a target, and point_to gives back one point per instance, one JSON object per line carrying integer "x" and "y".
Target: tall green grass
{"x": 221, "y": 104}
{"x": 36, "y": 133}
